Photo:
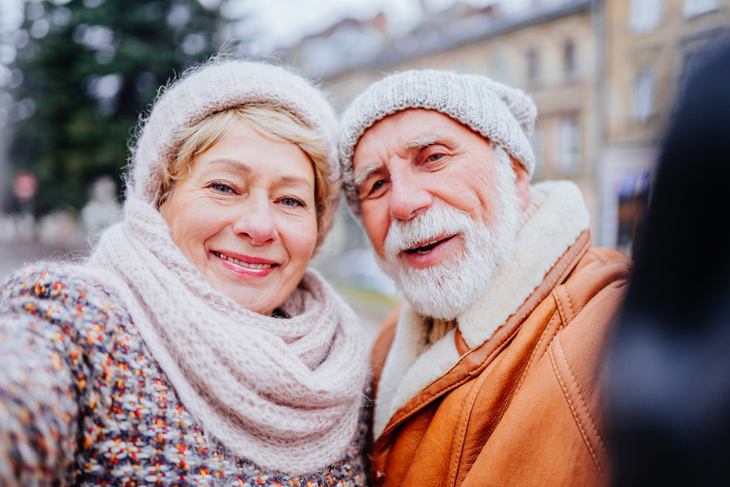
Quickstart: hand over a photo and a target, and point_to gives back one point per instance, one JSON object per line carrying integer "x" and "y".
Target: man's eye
{"x": 434, "y": 157}
{"x": 378, "y": 184}
{"x": 292, "y": 202}
{"x": 375, "y": 188}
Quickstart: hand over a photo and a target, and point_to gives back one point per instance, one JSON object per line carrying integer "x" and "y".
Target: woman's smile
{"x": 244, "y": 265}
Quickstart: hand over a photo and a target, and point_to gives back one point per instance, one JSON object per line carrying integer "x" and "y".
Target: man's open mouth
{"x": 428, "y": 246}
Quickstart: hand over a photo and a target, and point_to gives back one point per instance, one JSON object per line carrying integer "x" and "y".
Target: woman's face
{"x": 245, "y": 217}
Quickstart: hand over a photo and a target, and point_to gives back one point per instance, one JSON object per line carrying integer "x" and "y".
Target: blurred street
{"x": 15, "y": 255}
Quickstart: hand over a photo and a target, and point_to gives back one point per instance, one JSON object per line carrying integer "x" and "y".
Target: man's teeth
{"x": 422, "y": 249}
{"x": 241, "y": 263}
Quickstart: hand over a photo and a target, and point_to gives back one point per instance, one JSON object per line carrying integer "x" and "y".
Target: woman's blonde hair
{"x": 270, "y": 121}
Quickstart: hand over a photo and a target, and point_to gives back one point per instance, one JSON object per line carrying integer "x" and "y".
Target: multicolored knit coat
{"x": 83, "y": 402}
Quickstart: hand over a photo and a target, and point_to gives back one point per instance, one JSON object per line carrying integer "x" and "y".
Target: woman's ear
{"x": 163, "y": 208}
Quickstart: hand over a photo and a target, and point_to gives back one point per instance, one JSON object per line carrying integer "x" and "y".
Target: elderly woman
{"x": 194, "y": 347}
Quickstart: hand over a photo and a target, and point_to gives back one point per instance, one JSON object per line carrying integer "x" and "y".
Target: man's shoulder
{"x": 590, "y": 297}
{"x": 604, "y": 256}
{"x": 597, "y": 269}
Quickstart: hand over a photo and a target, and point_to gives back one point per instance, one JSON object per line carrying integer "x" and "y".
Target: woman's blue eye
{"x": 291, "y": 201}
{"x": 223, "y": 188}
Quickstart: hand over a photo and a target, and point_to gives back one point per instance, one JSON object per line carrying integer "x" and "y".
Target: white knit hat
{"x": 500, "y": 113}
{"x": 219, "y": 86}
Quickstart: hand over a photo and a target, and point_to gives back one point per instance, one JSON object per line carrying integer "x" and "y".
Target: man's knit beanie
{"x": 218, "y": 86}
{"x": 498, "y": 112}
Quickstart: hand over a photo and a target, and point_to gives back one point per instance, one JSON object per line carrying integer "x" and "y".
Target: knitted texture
{"x": 500, "y": 113}
{"x": 220, "y": 86}
{"x": 283, "y": 393}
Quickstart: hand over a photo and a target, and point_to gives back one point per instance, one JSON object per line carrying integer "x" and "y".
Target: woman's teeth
{"x": 241, "y": 263}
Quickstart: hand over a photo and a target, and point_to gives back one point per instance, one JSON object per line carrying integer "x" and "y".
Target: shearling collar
{"x": 554, "y": 219}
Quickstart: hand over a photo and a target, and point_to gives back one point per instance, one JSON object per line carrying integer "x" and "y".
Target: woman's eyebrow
{"x": 240, "y": 166}
{"x": 237, "y": 165}
{"x": 296, "y": 180}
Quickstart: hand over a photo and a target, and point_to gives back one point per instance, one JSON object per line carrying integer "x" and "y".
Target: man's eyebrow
{"x": 426, "y": 140}
{"x": 367, "y": 172}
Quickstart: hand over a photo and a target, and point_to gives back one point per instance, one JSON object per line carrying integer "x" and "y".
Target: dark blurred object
{"x": 668, "y": 375}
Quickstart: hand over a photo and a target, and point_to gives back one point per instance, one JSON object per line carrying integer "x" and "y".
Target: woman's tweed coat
{"x": 83, "y": 402}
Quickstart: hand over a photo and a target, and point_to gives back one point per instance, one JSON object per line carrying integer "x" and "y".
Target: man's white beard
{"x": 446, "y": 289}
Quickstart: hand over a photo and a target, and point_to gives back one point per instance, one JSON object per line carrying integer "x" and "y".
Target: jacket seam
{"x": 560, "y": 306}
{"x": 580, "y": 395}
{"x": 604, "y": 260}
{"x": 532, "y": 355}
{"x": 458, "y": 448}
{"x": 570, "y": 304}
{"x": 578, "y": 423}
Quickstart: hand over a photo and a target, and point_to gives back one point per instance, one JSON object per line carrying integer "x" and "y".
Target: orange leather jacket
{"x": 524, "y": 408}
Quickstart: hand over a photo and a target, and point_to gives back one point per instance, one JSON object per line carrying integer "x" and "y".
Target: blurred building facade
{"x": 603, "y": 74}
{"x": 650, "y": 46}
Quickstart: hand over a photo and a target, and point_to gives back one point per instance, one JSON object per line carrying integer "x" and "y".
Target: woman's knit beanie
{"x": 218, "y": 86}
{"x": 500, "y": 113}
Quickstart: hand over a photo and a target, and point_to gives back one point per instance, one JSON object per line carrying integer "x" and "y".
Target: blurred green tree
{"x": 90, "y": 68}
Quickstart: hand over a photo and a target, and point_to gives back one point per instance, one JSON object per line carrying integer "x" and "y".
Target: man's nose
{"x": 256, "y": 220}
{"x": 409, "y": 196}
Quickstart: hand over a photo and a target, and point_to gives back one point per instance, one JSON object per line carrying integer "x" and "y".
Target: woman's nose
{"x": 256, "y": 221}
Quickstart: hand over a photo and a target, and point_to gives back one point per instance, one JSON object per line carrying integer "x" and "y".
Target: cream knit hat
{"x": 215, "y": 87}
{"x": 500, "y": 113}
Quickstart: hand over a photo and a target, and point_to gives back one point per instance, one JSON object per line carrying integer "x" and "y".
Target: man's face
{"x": 436, "y": 203}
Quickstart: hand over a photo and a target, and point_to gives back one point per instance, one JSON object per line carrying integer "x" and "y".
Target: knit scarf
{"x": 282, "y": 393}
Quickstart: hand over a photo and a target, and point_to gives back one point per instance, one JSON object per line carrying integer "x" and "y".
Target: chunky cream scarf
{"x": 283, "y": 393}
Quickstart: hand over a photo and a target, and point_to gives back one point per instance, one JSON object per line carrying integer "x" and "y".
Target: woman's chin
{"x": 260, "y": 291}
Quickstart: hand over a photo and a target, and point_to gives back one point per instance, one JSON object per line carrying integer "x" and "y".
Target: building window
{"x": 571, "y": 69}
{"x": 533, "y": 68}
{"x": 645, "y": 15}
{"x": 693, "y": 8}
{"x": 644, "y": 88}
{"x": 569, "y": 159}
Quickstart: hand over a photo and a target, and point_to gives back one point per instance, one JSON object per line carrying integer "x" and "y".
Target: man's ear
{"x": 522, "y": 183}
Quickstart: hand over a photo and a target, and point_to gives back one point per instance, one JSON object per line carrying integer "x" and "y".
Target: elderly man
{"x": 489, "y": 374}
